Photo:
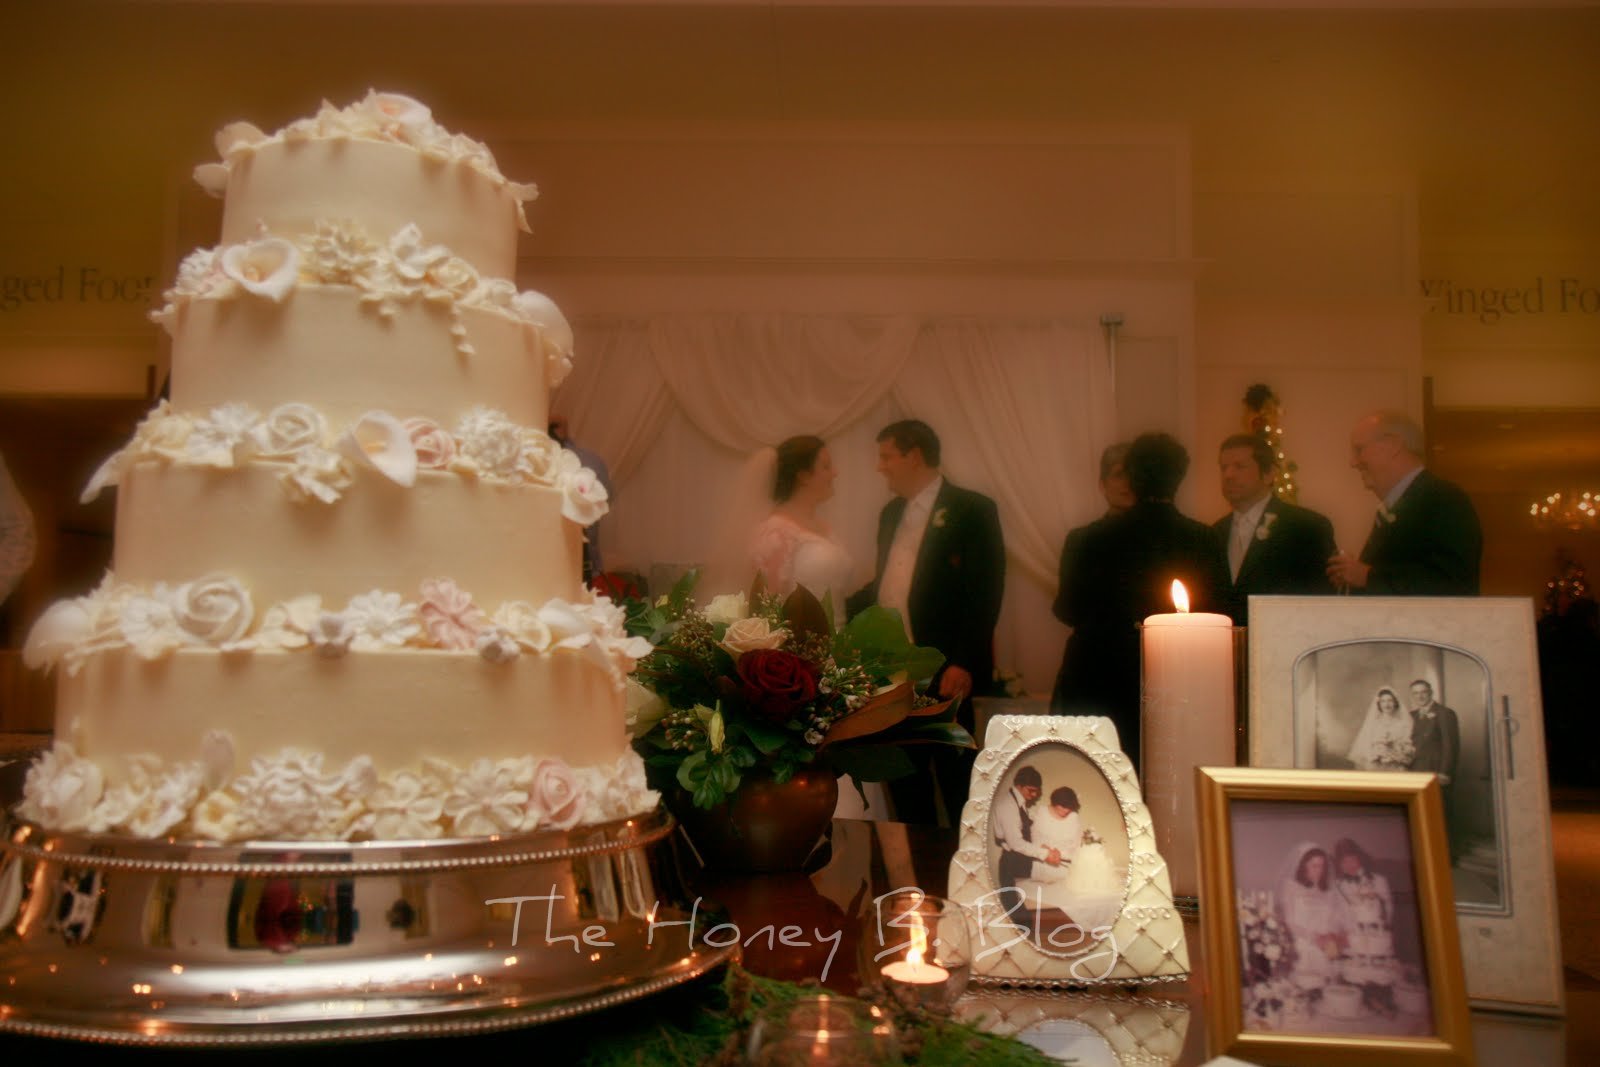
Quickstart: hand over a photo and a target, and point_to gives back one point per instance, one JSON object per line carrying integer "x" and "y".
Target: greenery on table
{"x": 713, "y": 1029}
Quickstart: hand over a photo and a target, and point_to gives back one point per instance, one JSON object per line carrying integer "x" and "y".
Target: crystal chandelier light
{"x": 1569, "y": 510}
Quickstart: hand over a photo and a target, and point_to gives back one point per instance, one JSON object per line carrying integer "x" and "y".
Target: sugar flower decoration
{"x": 382, "y": 442}
{"x": 452, "y": 619}
{"x": 267, "y": 267}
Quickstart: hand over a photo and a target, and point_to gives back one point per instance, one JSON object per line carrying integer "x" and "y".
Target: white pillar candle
{"x": 1188, "y": 722}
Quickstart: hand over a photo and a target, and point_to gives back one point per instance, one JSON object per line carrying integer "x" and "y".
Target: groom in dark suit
{"x": 1426, "y": 540}
{"x": 1271, "y": 546}
{"x": 1436, "y": 736}
{"x": 942, "y": 566}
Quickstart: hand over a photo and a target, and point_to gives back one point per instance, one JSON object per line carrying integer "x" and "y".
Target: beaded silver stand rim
{"x": 482, "y": 1021}
{"x": 366, "y": 856}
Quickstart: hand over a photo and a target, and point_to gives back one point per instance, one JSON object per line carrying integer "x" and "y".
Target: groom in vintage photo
{"x": 1436, "y": 737}
{"x": 941, "y": 565}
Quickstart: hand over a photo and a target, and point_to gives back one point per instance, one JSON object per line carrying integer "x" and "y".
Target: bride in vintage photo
{"x": 1314, "y": 912}
{"x": 1085, "y": 884}
{"x": 1384, "y": 741}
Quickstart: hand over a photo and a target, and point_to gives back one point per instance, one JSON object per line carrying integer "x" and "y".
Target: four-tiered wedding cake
{"x": 345, "y": 601}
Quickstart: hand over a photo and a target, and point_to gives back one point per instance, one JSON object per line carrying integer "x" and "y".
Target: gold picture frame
{"x": 1117, "y": 929}
{"x": 1302, "y": 994}
{"x": 1317, "y": 663}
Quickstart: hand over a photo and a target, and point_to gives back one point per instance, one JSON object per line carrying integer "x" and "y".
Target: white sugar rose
{"x": 521, "y": 620}
{"x": 214, "y": 610}
{"x": 747, "y": 635}
{"x": 728, "y": 608}
{"x": 267, "y": 267}
{"x": 289, "y": 428}
{"x": 556, "y": 796}
{"x": 434, "y": 447}
{"x": 454, "y": 275}
{"x": 541, "y": 457}
{"x": 61, "y": 789}
{"x": 583, "y": 498}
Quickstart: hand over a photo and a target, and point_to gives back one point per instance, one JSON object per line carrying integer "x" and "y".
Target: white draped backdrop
{"x": 675, "y": 405}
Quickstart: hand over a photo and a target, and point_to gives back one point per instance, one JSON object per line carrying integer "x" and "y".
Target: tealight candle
{"x": 1188, "y": 722}
{"x": 914, "y": 970}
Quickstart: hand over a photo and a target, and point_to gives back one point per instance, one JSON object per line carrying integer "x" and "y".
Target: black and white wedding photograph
{"x": 1415, "y": 706}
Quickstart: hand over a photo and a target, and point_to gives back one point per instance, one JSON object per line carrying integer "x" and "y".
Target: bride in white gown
{"x": 1086, "y": 884}
{"x": 1384, "y": 741}
{"x": 794, "y": 546}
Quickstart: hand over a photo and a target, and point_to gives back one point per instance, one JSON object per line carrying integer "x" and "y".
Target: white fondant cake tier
{"x": 322, "y": 345}
{"x": 397, "y": 708}
{"x": 497, "y": 542}
{"x": 291, "y": 186}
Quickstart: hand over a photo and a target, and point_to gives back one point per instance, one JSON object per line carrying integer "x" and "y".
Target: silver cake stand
{"x": 163, "y": 943}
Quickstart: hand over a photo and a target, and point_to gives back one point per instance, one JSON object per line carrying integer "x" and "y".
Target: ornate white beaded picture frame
{"x": 1090, "y": 1028}
{"x": 1057, "y": 864}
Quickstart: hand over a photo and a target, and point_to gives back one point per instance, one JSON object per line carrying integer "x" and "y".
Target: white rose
{"x": 521, "y": 620}
{"x": 288, "y": 428}
{"x": 643, "y": 708}
{"x": 541, "y": 457}
{"x": 728, "y": 608}
{"x": 556, "y": 796}
{"x": 434, "y": 447}
{"x": 454, "y": 275}
{"x": 747, "y": 635}
{"x": 214, "y": 610}
{"x": 583, "y": 498}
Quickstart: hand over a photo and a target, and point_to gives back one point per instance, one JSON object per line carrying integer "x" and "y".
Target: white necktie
{"x": 1238, "y": 545}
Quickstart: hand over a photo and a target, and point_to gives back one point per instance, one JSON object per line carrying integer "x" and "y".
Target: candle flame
{"x": 1180, "y": 596}
{"x": 919, "y": 941}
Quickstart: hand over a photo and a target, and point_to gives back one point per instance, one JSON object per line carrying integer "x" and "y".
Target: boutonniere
{"x": 939, "y": 518}
{"x": 1264, "y": 527}
{"x": 1384, "y": 514}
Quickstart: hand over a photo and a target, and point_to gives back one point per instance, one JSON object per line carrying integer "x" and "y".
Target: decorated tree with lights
{"x": 1263, "y": 416}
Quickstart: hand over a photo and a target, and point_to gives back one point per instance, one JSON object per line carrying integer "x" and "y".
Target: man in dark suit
{"x": 1124, "y": 572}
{"x": 1426, "y": 540}
{"x": 942, "y": 566}
{"x": 1119, "y": 498}
{"x": 1271, "y": 546}
{"x": 1436, "y": 737}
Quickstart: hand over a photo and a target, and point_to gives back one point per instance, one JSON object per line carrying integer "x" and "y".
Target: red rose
{"x": 618, "y": 587}
{"x": 776, "y": 682}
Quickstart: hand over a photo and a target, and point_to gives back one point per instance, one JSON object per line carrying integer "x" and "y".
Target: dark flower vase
{"x": 765, "y": 826}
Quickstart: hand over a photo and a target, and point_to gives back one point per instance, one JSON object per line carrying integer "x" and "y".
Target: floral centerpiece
{"x": 757, "y": 686}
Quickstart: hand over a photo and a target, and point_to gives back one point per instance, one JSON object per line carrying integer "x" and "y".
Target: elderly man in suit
{"x": 1426, "y": 540}
{"x": 942, "y": 566}
{"x": 1272, "y": 546}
